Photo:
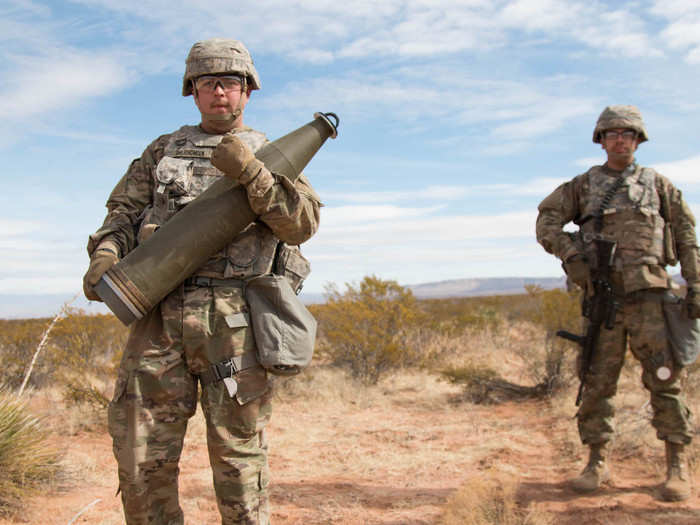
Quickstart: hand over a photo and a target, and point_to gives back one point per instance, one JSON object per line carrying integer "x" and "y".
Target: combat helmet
{"x": 218, "y": 55}
{"x": 620, "y": 117}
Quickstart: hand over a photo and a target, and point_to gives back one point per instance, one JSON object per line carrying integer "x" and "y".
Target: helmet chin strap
{"x": 222, "y": 121}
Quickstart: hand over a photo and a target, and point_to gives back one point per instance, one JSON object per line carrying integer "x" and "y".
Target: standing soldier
{"x": 652, "y": 226}
{"x": 200, "y": 331}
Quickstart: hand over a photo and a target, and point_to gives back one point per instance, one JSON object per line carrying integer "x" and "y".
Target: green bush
{"x": 370, "y": 328}
{"x": 25, "y": 460}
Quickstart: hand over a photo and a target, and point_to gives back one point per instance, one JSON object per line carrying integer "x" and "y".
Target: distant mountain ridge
{"x": 13, "y": 306}
{"x": 483, "y": 286}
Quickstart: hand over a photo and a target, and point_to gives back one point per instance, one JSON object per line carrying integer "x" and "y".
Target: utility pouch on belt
{"x": 683, "y": 332}
{"x": 284, "y": 330}
{"x": 670, "y": 255}
{"x": 292, "y": 264}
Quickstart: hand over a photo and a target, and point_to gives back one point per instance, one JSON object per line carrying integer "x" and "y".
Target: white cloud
{"x": 685, "y": 171}
{"x": 540, "y": 186}
{"x": 537, "y": 15}
{"x": 39, "y": 258}
{"x": 587, "y": 162}
{"x": 343, "y": 216}
{"x": 11, "y": 229}
{"x": 683, "y": 29}
{"x": 442, "y": 193}
{"x": 63, "y": 78}
{"x": 40, "y": 285}
{"x": 319, "y": 30}
{"x": 514, "y": 112}
{"x": 155, "y": 36}
{"x": 403, "y": 228}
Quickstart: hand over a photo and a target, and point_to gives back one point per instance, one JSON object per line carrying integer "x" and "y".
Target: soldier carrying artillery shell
{"x": 200, "y": 333}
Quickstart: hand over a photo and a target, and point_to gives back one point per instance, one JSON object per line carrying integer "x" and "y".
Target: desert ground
{"x": 409, "y": 450}
{"x": 412, "y": 448}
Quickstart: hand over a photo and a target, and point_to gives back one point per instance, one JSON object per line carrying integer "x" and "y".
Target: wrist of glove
{"x": 232, "y": 156}
{"x": 692, "y": 301}
{"x": 576, "y": 268}
{"x": 102, "y": 260}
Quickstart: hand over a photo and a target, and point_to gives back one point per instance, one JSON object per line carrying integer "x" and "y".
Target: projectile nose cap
{"x": 326, "y": 118}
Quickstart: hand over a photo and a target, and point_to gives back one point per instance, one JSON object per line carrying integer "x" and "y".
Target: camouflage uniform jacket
{"x": 646, "y": 215}
{"x": 173, "y": 170}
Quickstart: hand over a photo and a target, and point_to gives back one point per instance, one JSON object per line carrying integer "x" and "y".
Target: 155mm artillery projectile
{"x": 137, "y": 283}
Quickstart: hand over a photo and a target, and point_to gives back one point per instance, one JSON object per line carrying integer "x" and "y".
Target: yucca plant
{"x": 25, "y": 459}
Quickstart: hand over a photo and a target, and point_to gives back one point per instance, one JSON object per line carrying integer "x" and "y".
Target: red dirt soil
{"x": 396, "y": 461}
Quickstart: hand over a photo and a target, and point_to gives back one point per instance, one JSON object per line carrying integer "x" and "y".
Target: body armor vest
{"x": 183, "y": 173}
{"x": 632, "y": 217}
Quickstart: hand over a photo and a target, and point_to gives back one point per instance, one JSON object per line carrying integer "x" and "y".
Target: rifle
{"x": 600, "y": 310}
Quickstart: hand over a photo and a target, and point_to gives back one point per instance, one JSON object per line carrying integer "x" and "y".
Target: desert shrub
{"x": 554, "y": 310}
{"x": 475, "y": 380}
{"x": 82, "y": 353}
{"x": 18, "y": 341}
{"x": 78, "y": 358}
{"x": 453, "y": 316}
{"x": 25, "y": 460}
{"x": 546, "y": 359}
{"x": 89, "y": 343}
{"x": 490, "y": 500}
{"x": 368, "y": 328}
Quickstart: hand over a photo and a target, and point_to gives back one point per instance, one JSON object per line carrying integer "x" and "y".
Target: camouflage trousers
{"x": 640, "y": 321}
{"x": 156, "y": 393}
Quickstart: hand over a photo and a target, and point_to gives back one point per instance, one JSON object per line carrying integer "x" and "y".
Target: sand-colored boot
{"x": 596, "y": 471}
{"x": 677, "y": 485}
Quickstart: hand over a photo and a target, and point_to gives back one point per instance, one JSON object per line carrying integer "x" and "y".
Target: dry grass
{"x": 408, "y": 449}
{"x": 26, "y": 461}
{"x": 491, "y": 499}
{"x": 73, "y": 418}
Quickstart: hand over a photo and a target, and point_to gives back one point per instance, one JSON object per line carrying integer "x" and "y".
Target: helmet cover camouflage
{"x": 620, "y": 117}
{"x": 218, "y": 55}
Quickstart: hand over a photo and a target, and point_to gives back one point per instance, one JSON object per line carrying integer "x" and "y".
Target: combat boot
{"x": 677, "y": 485}
{"x": 596, "y": 471}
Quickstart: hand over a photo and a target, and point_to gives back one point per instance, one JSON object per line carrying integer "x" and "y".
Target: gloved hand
{"x": 692, "y": 301}
{"x": 232, "y": 156}
{"x": 101, "y": 261}
{"x": 576, "y": 268}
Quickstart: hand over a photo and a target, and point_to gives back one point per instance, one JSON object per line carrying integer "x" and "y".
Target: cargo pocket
{"x": 252, "y": 384}
{"x": 231, "y": 324}
{"x": 116, "y": 410}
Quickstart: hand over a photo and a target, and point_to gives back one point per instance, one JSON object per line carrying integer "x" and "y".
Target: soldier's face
{"x": 619, "y": 148}
{"x": 219, "y": 101}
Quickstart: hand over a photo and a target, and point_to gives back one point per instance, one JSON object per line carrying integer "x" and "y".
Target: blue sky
{"x": 457, "y": 118}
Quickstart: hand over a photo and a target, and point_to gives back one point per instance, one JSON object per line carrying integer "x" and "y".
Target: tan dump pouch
{"x": 284, "y": 329}
{"x": 683, "y": 332}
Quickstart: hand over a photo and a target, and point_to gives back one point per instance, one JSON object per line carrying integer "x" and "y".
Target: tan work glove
{"x": 101, "y": 261}
{"x": 692, "y": 301}
{"x": 232, "y": 156}
{"x": 576, "y": 268}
